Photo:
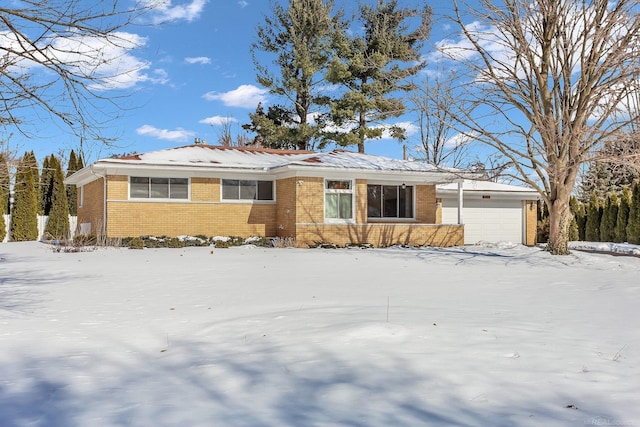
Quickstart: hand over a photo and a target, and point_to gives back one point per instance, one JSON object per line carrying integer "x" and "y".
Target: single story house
{"x": 338, "y": 197}
{"x": 492, "y": 212}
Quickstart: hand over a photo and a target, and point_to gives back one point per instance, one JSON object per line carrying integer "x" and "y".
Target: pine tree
{"x": 75, "y": 164}
{"x": 373, "y": 67}
{"x": 24, "y": 217}
{"x": 633, "y": 225}
{"x": 623, "y": 217}
{"x": 609, "y": 217}
{"x": 592, "y": 227}
{"x": 58, "y": 224}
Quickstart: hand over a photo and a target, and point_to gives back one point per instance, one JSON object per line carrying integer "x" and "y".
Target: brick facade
{"x": 297, "y": 212}
{"x": 531, "y": 222}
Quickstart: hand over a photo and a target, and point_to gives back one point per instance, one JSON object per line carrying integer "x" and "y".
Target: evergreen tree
{"x": 5, "y": 184}
{"x": 609, "y": 218}
{"x": 369, "y": 67}
{"x": 24, "y": 217}
{"x": 543, "y": 223}
{"x": 298, "y": 37}
{"x": 574, "y": 233}
{"x": 623, "y": 217}
{"x": 46, "y": 186}
{"x": 58, "y": 224}
{"x": 592, "y": 227}
{"x": 31, "y": 166}
{"x": 75, "y": 164}
{"x": 633, "y": 225}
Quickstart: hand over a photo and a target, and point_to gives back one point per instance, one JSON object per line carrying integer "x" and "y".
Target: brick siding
{"x": 297, "y": 213}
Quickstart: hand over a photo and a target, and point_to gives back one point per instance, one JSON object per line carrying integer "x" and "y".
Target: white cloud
{"x": 245, "y": 96}
{"x": 165, "y": 11}
{"x": 107, "y": 62}
{"x": 217, "y": 120}
{"x": 198, "y": 60}
{"x": 178, "y": 135}
{"x": 243, "y": 3}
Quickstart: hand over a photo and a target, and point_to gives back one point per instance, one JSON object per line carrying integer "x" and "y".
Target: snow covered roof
{"x": 487, "y": 187}
{"x": 220, "y": 159}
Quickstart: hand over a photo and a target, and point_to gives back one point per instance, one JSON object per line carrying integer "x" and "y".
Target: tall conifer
{"x": 574, "y": 232}
{"x": 609, "y": 217}
{"x": 620, "y": 235}
{"x": 592, "y": 227}
{"x": 633, "y": 225}
{"x": 75, "y": 164}
{"x": 58, "y": 224}
{"x": 46, "y": 186}
{"x": 5, "y": 184}
{"x": 24, "y": 217}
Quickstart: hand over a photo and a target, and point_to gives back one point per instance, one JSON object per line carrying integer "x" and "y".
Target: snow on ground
{"x": 471, "y": 336}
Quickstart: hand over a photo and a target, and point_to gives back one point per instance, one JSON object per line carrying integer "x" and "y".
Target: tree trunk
{"x": 559, "y": 221}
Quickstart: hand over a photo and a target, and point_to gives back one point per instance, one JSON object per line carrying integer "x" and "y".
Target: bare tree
{"x": 226, "y": 137}
{"x": 549, "y": 81}
{"x": 58, "y": 58}
{"x": 433, "y": 102}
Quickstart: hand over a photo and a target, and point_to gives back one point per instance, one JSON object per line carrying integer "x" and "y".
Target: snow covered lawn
{"x": 473, "y": 336}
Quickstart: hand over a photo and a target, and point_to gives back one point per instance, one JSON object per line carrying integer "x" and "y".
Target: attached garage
{"x": 492, "y": 212}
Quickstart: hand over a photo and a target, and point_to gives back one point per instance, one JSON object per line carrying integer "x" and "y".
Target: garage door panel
{"x": 487, "y": 220}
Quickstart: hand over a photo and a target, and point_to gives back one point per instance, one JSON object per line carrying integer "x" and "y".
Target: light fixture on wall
{"x": 404, "y": 186}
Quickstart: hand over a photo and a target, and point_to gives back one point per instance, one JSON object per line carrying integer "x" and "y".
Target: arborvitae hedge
{"x": 5, "y": 184}
{"x": 575, "y": 207}
{"x": 633, "y": 225}
{"x": 24, "y": 217}
{"x": 592, "y": 227}
{"x": 620, "y": 233}
{"x": 31, "y": 166}
{"x": 46, "y": 186}
{"x": 58, "y": 224}
{"x": 75, "y": 164}
{"x": 609, "y": 218}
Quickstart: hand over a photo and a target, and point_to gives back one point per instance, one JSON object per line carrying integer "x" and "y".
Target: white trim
{"x": 81, "y": 193}
{"x": 351, "y": 190}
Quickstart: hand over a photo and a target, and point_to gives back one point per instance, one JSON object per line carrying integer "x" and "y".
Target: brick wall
{"x": 286, "y": 207}
{"x": 92, "y": 208}
{"x": 204, "y": 214}
{"x": 299, "y": 213}
{"x": 127, "y": 219}
{"x": 531, "y": 222}
{"x": 381, "y": 235}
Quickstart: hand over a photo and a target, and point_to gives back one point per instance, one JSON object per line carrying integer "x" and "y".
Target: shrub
{"x": 136, "y": 243}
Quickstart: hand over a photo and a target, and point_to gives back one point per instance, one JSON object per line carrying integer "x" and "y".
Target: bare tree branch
{"x": 549, "y": 83}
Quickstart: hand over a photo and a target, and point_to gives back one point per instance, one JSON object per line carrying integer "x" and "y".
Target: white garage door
{"x": 487, "y": 220}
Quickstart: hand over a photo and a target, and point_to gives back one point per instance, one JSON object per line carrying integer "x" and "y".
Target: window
{"x": 389, "y": 201}
{"x": 158, "y": 188}
{"x": 236, "y": 189}
{"x": 338, "y": 200}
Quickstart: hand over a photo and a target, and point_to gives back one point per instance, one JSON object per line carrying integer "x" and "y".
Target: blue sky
{"x": 192, "y": 73}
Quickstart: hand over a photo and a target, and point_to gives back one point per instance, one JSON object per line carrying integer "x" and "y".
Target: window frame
{"x": 256, "y": 191}
{"x": 330, "y": 191}
{"x": 169, "y": 193}
{"x": 398, "y": 200}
